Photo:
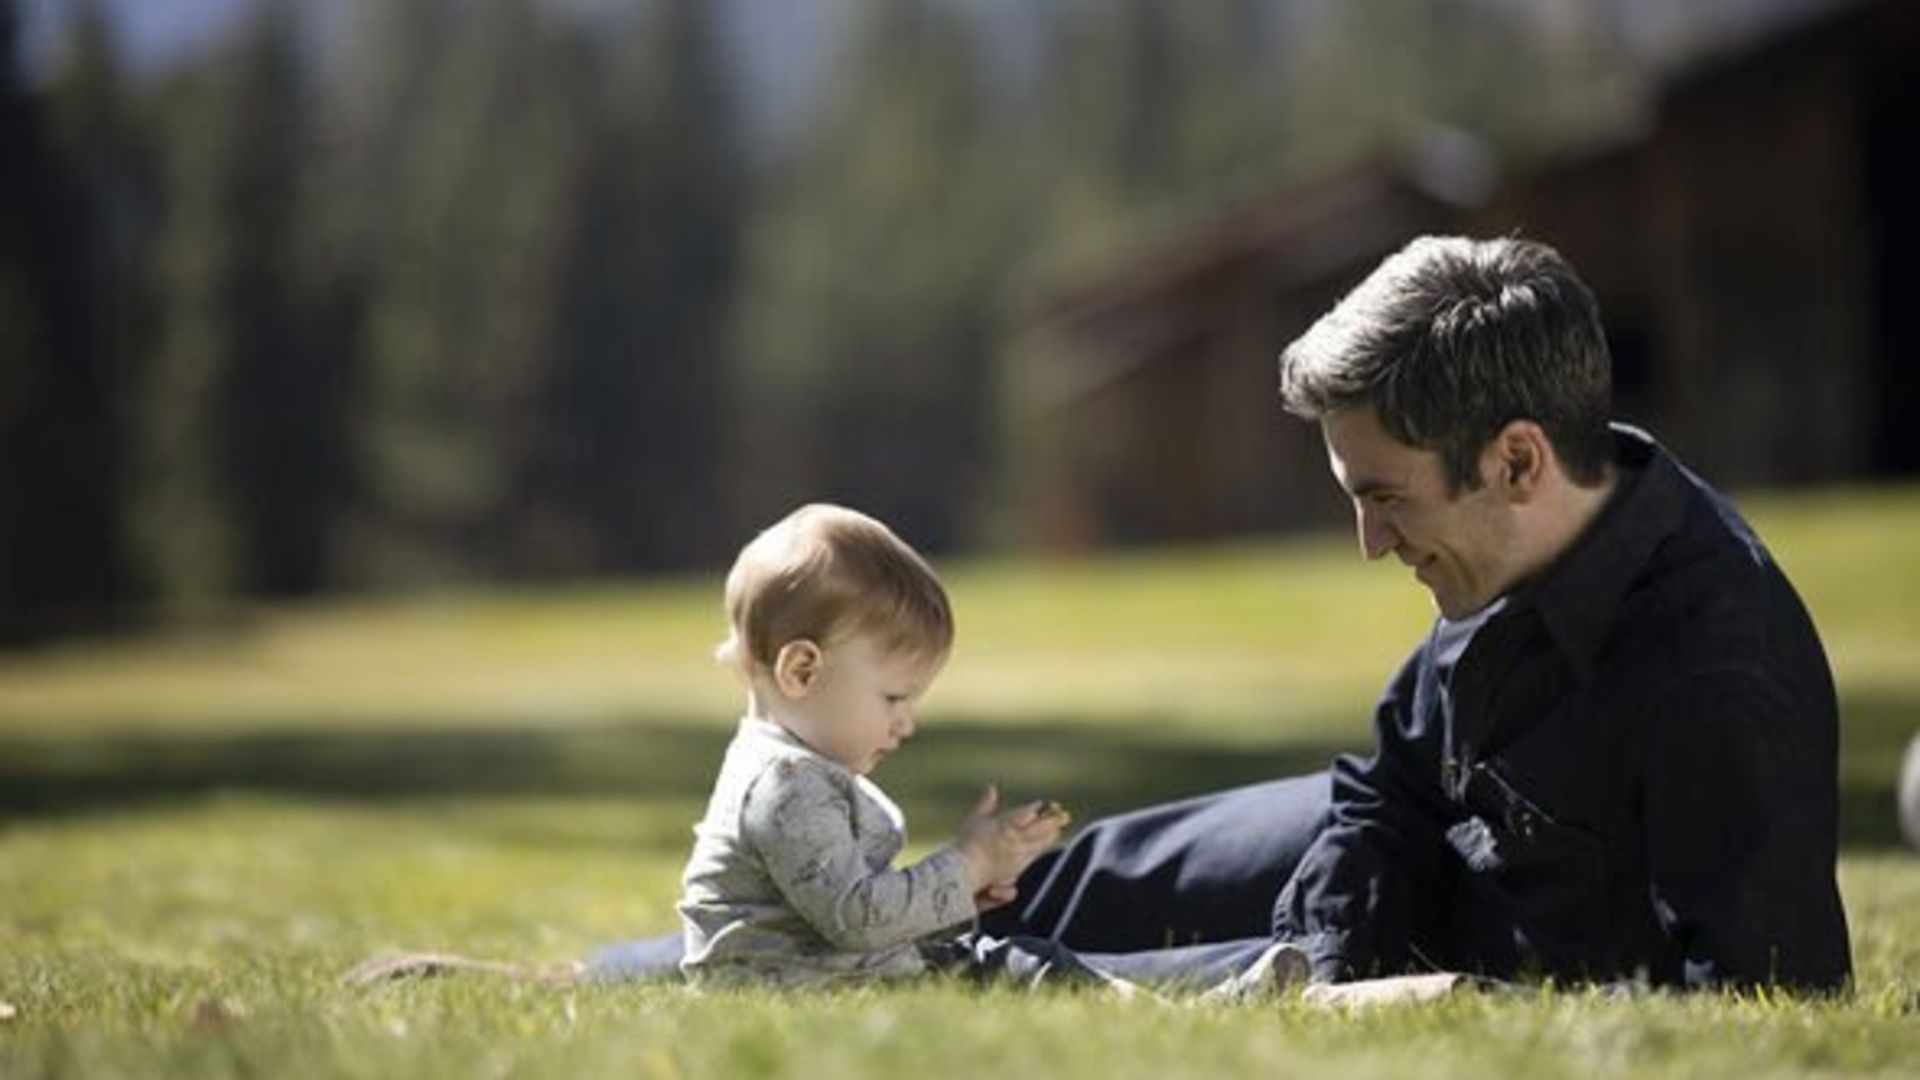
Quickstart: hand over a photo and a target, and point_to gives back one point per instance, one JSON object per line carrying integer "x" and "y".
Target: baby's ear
{"x": 796, "y": 666}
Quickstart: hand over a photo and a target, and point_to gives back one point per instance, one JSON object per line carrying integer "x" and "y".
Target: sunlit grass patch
{"x": 203, "y": 831}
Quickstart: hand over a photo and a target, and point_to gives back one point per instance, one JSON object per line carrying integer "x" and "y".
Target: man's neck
{"x": 1569, "y": 512}
{"x": 1577, "y": 510}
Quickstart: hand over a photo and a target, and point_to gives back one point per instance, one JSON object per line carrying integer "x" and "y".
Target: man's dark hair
{"x": 1452, "y": 339}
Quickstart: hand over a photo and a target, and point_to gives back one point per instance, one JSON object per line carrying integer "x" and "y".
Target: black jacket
{"x": 1623, "y": 771}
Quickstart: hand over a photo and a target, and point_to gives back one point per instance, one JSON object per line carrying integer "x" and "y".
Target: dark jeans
{"x": 1199, "y": 872}
{"x": 1032, "y": 962}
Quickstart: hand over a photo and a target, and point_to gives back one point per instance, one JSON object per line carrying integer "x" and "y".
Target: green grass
{"x": 201, "y": 831}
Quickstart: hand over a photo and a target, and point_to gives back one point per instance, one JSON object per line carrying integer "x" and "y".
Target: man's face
{"x": 1461, "y": 546}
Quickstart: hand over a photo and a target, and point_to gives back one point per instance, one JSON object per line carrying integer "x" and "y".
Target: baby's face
{"x": 860, "y": 707}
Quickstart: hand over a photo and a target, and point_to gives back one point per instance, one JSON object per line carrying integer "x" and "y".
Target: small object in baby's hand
{"x": 1051, "y": 809}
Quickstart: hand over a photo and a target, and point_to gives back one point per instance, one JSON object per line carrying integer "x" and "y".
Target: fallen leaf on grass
{"x": 210, "y": 1015}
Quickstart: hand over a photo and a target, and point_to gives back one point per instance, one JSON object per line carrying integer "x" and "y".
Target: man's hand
{"x": 1394, "y": 990}
{"x": 998, "y": 844}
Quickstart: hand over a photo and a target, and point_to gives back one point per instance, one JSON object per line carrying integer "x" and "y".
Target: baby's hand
{"x": 994, "y": 896}
{"x": 999, "y": 844}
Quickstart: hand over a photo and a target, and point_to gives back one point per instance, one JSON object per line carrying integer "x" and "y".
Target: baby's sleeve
{"x": 799, "y": 820}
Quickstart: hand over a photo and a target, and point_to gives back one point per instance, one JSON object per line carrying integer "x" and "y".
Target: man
{"x": 1613, "y": 758}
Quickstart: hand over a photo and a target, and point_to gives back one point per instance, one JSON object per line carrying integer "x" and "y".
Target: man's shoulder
{"x": 1714, "y": 562}
{"x": 1711, "y": 598}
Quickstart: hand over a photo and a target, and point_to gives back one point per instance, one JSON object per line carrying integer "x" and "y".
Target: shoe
{"x": 1278, "y": 969}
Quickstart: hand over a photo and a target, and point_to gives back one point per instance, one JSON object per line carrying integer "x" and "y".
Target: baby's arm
{"x": 800, "y": 821}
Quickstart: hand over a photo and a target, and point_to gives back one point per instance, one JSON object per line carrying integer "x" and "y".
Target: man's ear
{"x": 796, "y": 666}
{"x": 1523, "y": 456}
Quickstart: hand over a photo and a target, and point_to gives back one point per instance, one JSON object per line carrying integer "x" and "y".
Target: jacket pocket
{"x": 1538, "y": 887}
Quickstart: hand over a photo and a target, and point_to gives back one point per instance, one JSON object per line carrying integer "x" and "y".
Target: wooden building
{"x": 1752, "y": 250}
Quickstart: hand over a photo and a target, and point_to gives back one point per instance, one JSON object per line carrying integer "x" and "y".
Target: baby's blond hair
{"x": 825, "y": 571}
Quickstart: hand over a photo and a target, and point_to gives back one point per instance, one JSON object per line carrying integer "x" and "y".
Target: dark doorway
{"x": 1893, "y": 229}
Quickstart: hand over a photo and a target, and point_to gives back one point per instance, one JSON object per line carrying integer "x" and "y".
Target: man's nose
{"x": 1377, "y": 538}
{"x": 904, "y": 723}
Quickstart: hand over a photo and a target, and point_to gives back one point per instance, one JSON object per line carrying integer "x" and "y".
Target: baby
{"x": 837, "y": 628}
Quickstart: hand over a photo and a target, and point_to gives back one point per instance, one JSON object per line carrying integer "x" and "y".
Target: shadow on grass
{"x": 1093, "y": 767}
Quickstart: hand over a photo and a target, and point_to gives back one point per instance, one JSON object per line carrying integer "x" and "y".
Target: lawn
{"x": 200, "y": 831}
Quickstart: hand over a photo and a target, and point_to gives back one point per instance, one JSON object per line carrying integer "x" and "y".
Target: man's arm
{"x": 1740, "y": 819}
{"x": 1353, "y": 900}
{"x": 800, "y": 822}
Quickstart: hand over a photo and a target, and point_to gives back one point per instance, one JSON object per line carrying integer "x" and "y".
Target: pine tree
{"x": 627, "y": 475}
{"x": 464, "y": 287}
{"x": 234, "y": 453}
{"x": 69, "y": 220}
{"x": 873, "y": 291}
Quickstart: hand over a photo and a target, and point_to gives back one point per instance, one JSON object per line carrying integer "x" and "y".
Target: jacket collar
{"x": 1579, "y": 597}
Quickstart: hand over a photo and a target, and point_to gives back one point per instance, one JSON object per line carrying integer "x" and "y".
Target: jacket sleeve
{"x": 799, "y": 821}
{"x": 1352, "y": 903}
{"x": 1742, "y": 833}
{"x": 1740, "y": 808}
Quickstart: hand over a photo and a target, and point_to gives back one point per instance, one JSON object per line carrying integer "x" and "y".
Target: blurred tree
{"x": 626, "y": 473}
{"x": 547, "y": 276}
{"x": 1367, "y": 76}
{"x": 285, "y": 449}
{"x": 70, "y": 206}
{"x": 446, "y": 289}
{"x": 1164, "y": 98}
{"x": 464, "y": 267}
{"x": 1146, "y": 111}
{"x": 238, "y": 451}
{"x": 1145, "y": 118}
{"x": 1152, "y": 114}
{"x": 872, "y": 289}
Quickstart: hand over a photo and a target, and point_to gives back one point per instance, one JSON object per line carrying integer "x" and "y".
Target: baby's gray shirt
{"x": 791, "y": 879}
